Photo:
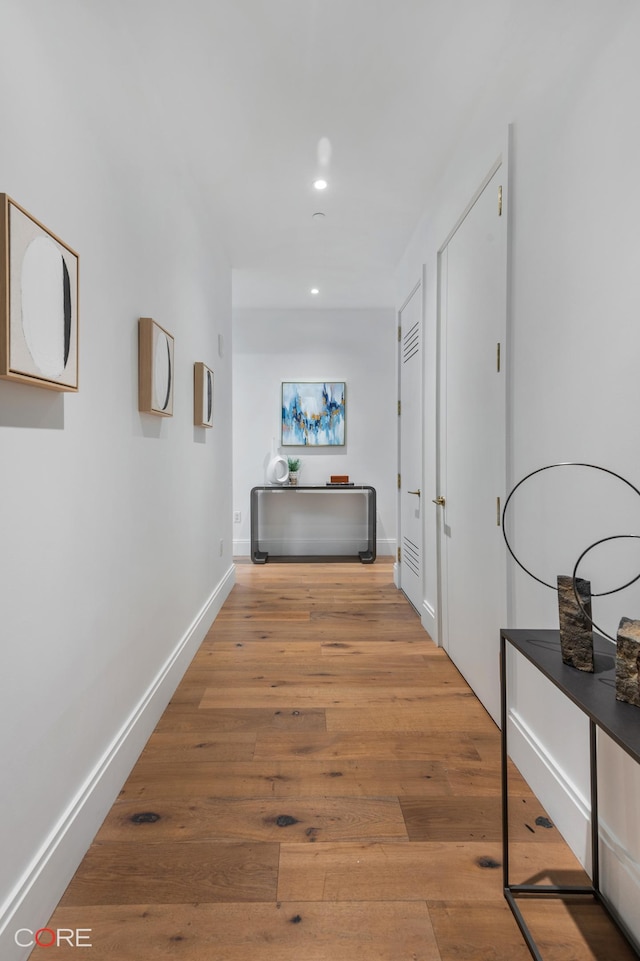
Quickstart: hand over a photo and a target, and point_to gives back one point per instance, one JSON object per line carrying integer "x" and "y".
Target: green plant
{"x": 293, "y": 464}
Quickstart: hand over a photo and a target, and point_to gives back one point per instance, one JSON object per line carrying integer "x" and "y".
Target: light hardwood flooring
{"x": 323, "y": 786}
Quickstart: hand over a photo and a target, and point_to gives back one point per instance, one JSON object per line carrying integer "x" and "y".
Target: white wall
{"x": 111, "y": 520}
{"x": 574, "y": 341}
{"x": 355, "y": 346}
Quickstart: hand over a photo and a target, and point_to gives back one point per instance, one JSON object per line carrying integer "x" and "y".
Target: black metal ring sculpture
{"x": 603, "y": 540}
{"x": 539, "y": 470}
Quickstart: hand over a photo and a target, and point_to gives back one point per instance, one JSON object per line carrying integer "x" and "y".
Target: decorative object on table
{"x": 202, "y": 395}
{"x": 155, "y": 369}
{"x": 628, "y": 662}
{"x": 339, "y": 478}
{"x": 576, "y": 635}
{"x": 38, "y": 302}
{"x": 294, "y": 464}
{"x": 277, "y": 470}
{"x": 313, "y": 414}
{"x": 581, "y": 609}
{"x": 605, "y": 540}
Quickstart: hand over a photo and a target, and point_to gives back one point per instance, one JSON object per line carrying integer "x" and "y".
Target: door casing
{"x": 410, "y": 433}
{"x": 481, "y": 639}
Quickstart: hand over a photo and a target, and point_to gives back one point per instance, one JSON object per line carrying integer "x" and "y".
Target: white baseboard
{"x": 427, "y": 613}
{"x": 429, "y": 620}
{"x": 620, "y": 882}
{"x": 37, "y": 893}
{"x": 548, "y": 740}
{"x": 384, "y": 547}
{"x": 568, "y": 809}
{"x": 570, "y": 812}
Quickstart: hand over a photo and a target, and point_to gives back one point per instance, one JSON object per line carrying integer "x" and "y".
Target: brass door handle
{"x": 440, "y": 501}
{"x": 418, "y": 492}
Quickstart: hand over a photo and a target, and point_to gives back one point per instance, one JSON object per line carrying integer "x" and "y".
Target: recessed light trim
{"x": 320, "y": 184}
{"x": 314, "y": 291}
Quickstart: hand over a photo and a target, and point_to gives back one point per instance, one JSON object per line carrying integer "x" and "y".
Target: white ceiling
{"x": 243, "y": 90}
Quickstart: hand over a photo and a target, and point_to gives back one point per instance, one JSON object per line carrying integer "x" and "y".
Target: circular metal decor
{"x": 540, "y": 580}
{"x": 603, "y": 540}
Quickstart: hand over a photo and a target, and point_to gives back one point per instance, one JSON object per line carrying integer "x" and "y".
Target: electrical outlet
{"x": 237, "y": 517}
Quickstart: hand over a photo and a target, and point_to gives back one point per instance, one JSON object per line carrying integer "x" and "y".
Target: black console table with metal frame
{"x": 594, "y": 695}
{"x": 367, "y": 556}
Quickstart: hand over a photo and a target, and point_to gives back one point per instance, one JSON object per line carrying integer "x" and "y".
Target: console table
{"x": 594, "y": 694}
{"x": 367, "y": 556}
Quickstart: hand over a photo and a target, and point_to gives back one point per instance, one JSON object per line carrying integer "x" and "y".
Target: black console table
{"x": 367, "y": 556}
{"x": 594, "y": 694}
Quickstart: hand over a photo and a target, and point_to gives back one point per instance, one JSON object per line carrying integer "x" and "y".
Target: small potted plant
{"x": 293, "y": 464}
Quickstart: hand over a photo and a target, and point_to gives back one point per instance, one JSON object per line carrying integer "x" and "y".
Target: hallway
{"x": 323, "y": 786}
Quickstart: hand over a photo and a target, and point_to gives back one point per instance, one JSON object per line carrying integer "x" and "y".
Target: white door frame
{"x": 440, "y": 385}
{"x": 417, "y": 289}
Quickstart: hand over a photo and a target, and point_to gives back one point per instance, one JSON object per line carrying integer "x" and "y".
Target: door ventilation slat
{"x": 411, "y": 556}
{"x": 411, "y": 343}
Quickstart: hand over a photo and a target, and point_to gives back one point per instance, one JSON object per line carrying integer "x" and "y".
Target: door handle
{"x": 440, "y": 501}
{"x": 418, "y": 492}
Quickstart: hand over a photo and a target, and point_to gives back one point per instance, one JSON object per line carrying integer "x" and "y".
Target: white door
{"x": 411, "y": 495}
{"x": 472, "y": 440}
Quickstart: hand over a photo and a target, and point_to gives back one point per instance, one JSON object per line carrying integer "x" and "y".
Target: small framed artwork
{"x": 313, "y": 414}
{"x": 202, "y": 395}
{"x": 38, "y": 302}
{"x": 155, "y": 368}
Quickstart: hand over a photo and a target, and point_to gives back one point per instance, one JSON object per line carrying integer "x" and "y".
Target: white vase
{"x": 277, "y": 471}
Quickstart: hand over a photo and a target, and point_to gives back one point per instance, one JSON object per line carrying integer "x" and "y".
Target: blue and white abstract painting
{"x": 313, "y": 415}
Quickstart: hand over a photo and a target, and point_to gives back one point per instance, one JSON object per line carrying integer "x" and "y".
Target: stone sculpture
{"x": 628, "y": 662}
{"x": 576, "y": 635}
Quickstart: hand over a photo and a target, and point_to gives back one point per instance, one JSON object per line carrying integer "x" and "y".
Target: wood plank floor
{"x": 322, "y": 787}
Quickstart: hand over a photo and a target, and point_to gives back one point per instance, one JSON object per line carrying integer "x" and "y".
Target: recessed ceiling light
{"x": 318, "y": 215}
{"x": 320, "y": 184}
{"x": 315, "y": 291}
